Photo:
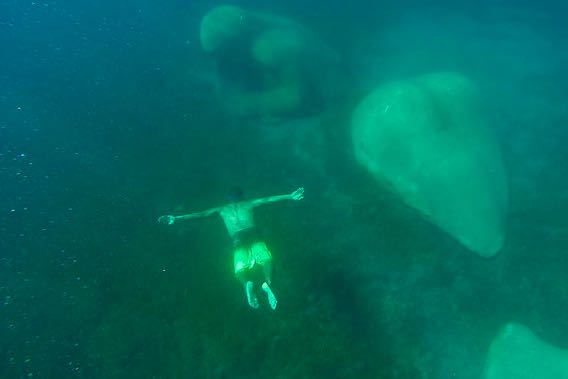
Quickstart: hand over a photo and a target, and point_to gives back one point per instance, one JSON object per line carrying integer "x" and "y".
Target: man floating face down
{"x": 249, "y": 248}
{"x": 269, "y": 66}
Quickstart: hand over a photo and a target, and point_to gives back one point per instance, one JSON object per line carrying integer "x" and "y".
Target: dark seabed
{"x": 108, "y": 119}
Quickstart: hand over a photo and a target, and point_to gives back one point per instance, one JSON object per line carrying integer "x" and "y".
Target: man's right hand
{"x": 166, "y": 220}
{"x": 298, "y": 194}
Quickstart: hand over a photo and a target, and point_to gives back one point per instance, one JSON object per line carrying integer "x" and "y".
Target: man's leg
{"x": 267, "y": 271}
{"x": 251, "y": 296}
{"x": 270, "y": 295}
{"x": 241, "y": 257}
{"x": 263, "y": 256}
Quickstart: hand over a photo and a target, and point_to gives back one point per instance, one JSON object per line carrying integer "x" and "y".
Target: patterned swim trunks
{"x": 249, "y": 250}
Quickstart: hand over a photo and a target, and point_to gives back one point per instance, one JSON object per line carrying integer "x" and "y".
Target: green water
{"x": 109, "y": 120}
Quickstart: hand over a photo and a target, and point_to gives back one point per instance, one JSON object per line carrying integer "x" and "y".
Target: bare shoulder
{"x": 247, "y": 206}
{"x": 223, "y": 209}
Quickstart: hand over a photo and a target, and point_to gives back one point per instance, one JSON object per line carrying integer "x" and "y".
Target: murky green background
{"x": 108, "y": 120}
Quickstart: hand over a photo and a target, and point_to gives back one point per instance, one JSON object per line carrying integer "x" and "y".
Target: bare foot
{"x": 271, "y": 298}
{"x": 251, "y": 297}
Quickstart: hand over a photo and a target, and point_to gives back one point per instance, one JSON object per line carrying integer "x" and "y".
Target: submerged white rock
{"x": 426, "y": 140}
{"x": 517, "y": 353}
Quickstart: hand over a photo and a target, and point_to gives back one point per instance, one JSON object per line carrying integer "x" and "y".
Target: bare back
{"x": 237, "y": 217}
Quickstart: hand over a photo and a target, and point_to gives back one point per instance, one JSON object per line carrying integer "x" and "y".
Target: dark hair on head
{"x": 236, "y": 194}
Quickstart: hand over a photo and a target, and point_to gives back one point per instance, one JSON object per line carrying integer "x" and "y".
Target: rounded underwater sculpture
{"x": 220, "y": 26}
{"x": 269, "y": 65}
{"x": 425, "y": 139}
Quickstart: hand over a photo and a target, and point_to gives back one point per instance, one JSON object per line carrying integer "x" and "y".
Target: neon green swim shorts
{"x": 245, "y": 257}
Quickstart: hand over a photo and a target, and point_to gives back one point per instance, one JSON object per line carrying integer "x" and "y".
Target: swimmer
{"x": 249, "y": 249}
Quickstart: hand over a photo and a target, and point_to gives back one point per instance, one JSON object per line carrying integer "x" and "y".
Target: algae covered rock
{"x": 517, "y": 353}
{"x": 427, "y": 141}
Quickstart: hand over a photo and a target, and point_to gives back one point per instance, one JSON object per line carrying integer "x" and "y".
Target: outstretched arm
{"x": 169, "y": 219}
{"x": 296, "y": 195}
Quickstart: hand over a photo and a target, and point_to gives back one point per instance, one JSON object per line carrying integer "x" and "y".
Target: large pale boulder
{"x": 516, "y": 353}
{"x": 427, "y": 141}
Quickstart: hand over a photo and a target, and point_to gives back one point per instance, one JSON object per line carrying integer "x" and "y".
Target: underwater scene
{"x": 284, "y": 189}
